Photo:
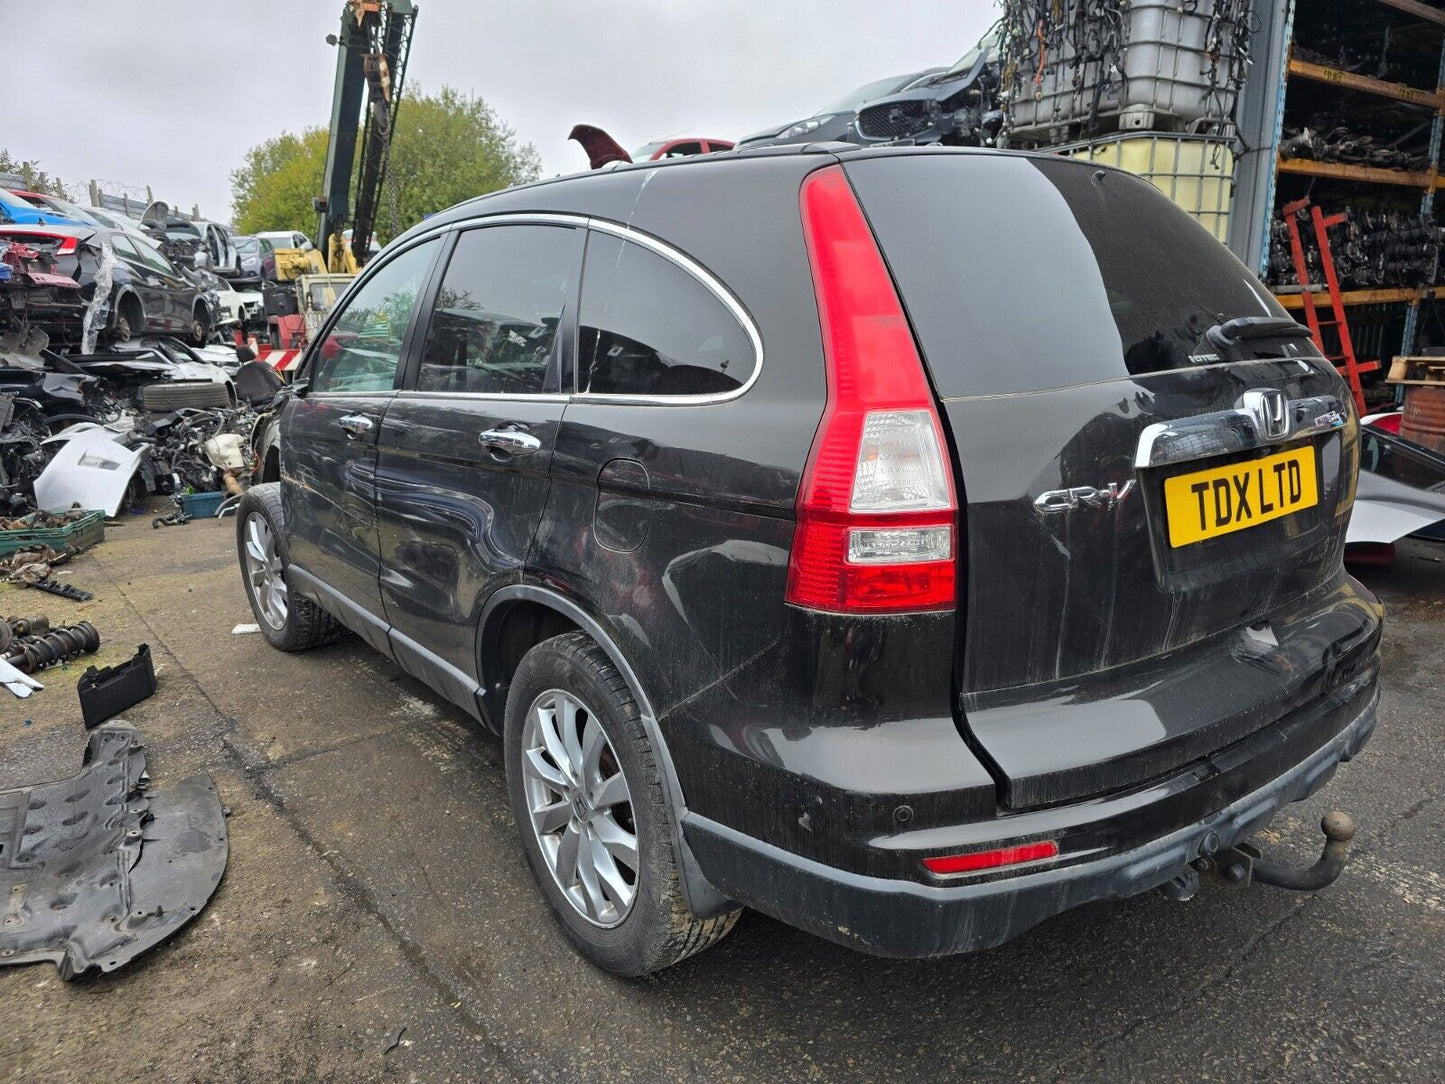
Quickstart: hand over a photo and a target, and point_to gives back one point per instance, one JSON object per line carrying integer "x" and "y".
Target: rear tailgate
{"x": 1154, "y": 527}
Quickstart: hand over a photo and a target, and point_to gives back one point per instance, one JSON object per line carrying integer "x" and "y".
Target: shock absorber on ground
{"x": 31, "y": 653}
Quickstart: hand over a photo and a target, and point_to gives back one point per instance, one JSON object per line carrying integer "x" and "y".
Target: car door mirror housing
{"x": 201, "y": 261}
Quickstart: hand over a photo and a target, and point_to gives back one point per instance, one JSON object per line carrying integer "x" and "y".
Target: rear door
{"x": 146, "y": 280}
{"x": 1149, "y": 512}
{"x": 329, "y": 432}
{"x": 466, "y": 449}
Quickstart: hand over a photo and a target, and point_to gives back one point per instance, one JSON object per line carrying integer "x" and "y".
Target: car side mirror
{"x": 201, "y": 261}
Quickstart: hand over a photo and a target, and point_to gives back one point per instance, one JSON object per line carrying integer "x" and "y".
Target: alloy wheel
{"x": 264, "y": 572}
{"x": 580, "y": 807}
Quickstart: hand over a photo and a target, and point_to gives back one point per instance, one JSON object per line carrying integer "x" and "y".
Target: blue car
{"x": 16, "y": 212}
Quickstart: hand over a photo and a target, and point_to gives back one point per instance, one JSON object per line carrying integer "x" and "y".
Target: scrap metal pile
{"x": 103, "y": 431}
{"x": 1371, "y": 249}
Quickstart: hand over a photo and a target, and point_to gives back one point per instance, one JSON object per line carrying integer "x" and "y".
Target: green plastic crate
{"x": 75, "y": 536}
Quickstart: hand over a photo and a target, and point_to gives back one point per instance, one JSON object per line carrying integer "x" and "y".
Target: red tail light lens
{"x": 980, "y": 860}
{"x": 876, "y": 508}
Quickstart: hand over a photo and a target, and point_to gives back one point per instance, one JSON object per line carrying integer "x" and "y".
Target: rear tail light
{"x": 64, "y": 243}
{"x": 975, "y": 861}
{"x": 876, "y": 508}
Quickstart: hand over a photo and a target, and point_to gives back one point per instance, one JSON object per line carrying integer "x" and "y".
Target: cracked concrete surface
{"x": 376, "y": 883}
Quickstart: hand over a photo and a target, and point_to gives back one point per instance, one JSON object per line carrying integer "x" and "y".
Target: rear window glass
{"x": 1021, "y": 274}
{"x": 494, "y": 327}
{"x": 648, "y": 327}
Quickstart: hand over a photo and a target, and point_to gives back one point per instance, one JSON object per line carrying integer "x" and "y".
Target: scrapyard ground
{"x": 375, "y": 884}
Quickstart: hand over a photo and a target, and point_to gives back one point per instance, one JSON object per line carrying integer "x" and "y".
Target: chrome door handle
{"x": 356, "y": 424}
{"x": 511, "y": 441}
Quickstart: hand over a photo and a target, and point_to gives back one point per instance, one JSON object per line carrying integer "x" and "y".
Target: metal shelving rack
{"x": 1429, "y": 182}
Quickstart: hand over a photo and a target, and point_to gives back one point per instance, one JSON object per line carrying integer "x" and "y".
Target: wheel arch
{"x": 127, "y": 300}
{"x": 703, "y": 898}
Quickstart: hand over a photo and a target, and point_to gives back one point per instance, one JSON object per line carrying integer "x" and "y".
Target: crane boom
{"x": 372, "y": 50}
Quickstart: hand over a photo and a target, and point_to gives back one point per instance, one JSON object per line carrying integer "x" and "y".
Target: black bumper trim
{"x": 891, "y": 917}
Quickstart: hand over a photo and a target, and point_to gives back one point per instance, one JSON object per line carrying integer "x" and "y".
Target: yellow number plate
{"x": 1210, "y": 503}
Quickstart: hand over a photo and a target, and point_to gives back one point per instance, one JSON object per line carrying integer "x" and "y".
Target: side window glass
{"x": 123, "y": 248}
{"x": 494, "y": 327}
{"x": 648, "y": 327}
{"x": 363, "y": 347}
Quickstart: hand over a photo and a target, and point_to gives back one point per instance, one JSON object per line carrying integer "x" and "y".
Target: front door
{"x": 328, "y": 441}
{"x": 465, "y": 452}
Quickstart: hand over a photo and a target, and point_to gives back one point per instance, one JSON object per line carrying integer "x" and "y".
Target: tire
{"x": 654, "y": 929}
{"x": 121, "y": 333}
{"x": 297, "y": 625}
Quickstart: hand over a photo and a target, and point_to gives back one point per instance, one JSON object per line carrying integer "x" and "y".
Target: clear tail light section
{"x": 876, "y": 509}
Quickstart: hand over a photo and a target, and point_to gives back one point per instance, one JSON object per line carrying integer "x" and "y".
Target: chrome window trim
{"x": 709, "y": 281}
{"x": 1240, "y": 429}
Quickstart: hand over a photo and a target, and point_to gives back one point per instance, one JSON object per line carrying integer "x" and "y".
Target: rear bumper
{"x": 895, "y": 917}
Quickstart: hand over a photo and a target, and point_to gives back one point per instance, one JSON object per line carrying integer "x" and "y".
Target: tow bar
{"x": 1243, "y": 863}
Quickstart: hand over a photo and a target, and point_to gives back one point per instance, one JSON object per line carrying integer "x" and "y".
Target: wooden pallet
{"x": 1416, "y": 370}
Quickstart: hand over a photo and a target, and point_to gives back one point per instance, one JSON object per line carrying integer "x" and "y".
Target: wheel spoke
{"x": 547, "y": 726}
{"x": 537, "y": 765}
{"x": 255, "y": 552}
{"x": 609, "y": 876}
{"x": 549, "y": 818}
{"x": 610, "y": 792}
{"x": 593, "y": 742}
{"x": 567, "y": 851}
{"x": 618, "y": 841}
{"x": 587, "y": 874}
{"x": 569, "y": 735}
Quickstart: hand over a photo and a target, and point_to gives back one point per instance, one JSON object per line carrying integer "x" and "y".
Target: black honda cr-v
{"x": 909, "y": 543}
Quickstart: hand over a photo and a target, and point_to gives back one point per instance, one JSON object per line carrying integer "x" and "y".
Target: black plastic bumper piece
{"x": 105, "y": 693}
{"x": 891, "y": 917}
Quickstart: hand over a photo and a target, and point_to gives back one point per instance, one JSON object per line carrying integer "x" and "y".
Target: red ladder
{"x": 1351, "y": 368}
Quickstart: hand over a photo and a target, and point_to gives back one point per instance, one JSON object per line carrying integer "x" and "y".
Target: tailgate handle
{"x": 1261, "y": 418}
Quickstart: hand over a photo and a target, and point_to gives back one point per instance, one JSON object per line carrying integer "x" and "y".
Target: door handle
{"x": 511, "y": 441}
{"x": 356, "y": 424}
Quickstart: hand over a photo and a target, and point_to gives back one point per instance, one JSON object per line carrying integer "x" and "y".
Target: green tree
{"x": 447, "y": 147}
{"x": 34, "y": 178}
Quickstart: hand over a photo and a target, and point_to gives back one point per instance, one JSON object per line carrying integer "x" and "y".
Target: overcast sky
{"x": 171, "y": 93}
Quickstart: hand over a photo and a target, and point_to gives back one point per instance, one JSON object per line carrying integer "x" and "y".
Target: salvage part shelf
{"x": 1295, "y": 301}
{"x": 1415, "y": 7}
{"x": 1304, "y": 69}
{"x": 1345, "y": 171}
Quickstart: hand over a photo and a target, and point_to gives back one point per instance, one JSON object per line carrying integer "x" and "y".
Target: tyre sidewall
{"x": 630, "y": 947}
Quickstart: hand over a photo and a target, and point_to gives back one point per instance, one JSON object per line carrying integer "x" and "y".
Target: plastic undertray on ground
{"x": 75, "y": 536}
{"x": 202, "y": 505}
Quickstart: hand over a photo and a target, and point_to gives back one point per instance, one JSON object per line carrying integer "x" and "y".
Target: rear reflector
{"x": 1005, "y": 856}
{"x": 876, "y": 507}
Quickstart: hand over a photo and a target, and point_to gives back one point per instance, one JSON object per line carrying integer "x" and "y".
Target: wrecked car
{"x": 956, "y": 107}
{"x": 146, "y": 293}
{"x": 793, "y": 576}
{"x": 834, "y": 119}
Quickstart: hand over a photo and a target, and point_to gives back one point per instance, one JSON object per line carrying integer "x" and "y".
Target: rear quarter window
{"x": 649, "y": 327}
{"x": 1026, "y": 273}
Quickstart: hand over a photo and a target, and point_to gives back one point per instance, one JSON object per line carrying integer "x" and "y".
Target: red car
{"x": 603, "y": 150}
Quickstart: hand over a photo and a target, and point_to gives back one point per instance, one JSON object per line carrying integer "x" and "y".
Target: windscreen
{"x": 1026, "y": 273}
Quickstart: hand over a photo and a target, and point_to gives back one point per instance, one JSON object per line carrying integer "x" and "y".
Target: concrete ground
{"x": 376, "y": 884}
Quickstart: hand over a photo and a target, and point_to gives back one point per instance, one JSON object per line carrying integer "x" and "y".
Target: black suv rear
{"x": 910, "y": 544}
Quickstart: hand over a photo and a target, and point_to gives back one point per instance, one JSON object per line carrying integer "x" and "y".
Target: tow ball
{"x": 1243, "y": 863}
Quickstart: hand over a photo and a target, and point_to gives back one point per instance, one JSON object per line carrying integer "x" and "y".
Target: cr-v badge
{"x": 1062, "y": 500}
